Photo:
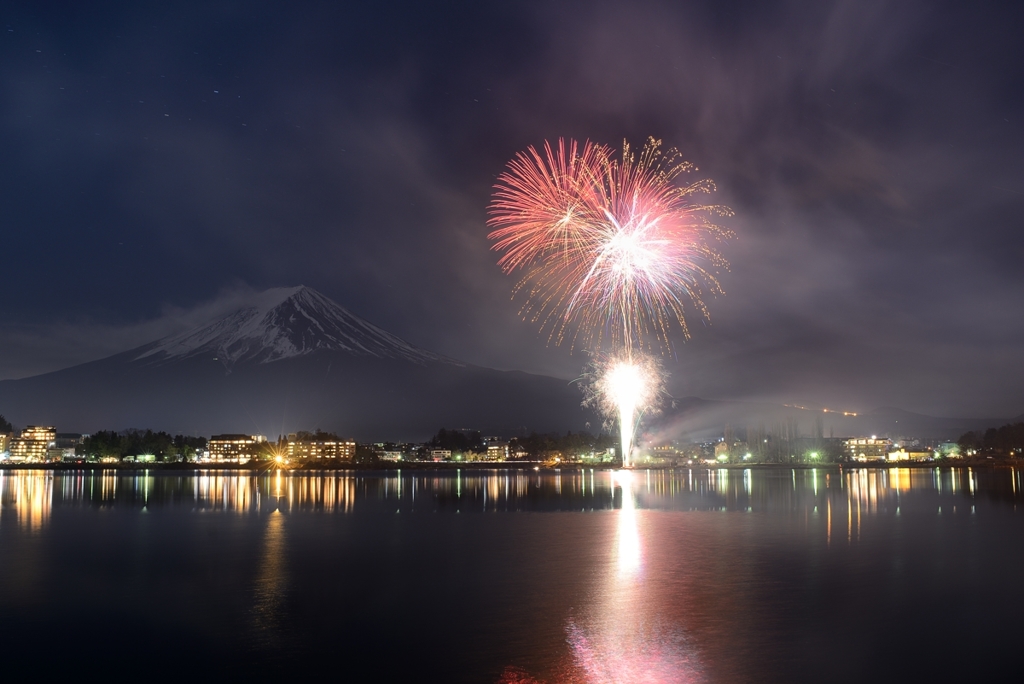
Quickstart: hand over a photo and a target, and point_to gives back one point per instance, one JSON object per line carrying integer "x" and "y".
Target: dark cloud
{"x": 157, "y": 159}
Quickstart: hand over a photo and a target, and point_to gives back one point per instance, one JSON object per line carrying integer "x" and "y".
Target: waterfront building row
{"x": 43, "y": 444}
{"x": 240, "y": 448}
{"x": 37, "y": 443}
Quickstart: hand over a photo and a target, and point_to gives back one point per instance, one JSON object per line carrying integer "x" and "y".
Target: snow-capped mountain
{"x": 291, "y": 359}
{"x": 283, "y": 323}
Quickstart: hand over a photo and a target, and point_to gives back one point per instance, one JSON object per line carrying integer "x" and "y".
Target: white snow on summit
{"x": 285, "y": 322}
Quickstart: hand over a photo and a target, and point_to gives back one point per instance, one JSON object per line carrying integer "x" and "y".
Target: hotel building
{"x": 33, "y": 443}
{"x": 868, "y": 448}
{"x": 497, "y": 451}
{"x": 234, "y": 448}
{"x": 307, "y": 449}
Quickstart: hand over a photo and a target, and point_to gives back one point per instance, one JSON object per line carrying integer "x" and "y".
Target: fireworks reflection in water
{"x": 620, "y": 640}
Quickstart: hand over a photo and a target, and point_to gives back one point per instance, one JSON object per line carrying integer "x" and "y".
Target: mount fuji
{"x": 292, "y": 359}
{"x": 285, "y": 323}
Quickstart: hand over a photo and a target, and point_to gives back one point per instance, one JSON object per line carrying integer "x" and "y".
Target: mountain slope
{"x": 291, "y": 360}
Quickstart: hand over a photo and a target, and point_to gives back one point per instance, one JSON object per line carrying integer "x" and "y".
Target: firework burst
{"x": 611, "y": 251}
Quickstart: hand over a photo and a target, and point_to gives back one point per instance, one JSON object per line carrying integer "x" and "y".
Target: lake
{"x": 758, "y": 575}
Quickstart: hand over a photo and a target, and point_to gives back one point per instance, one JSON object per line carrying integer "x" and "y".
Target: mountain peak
{"x": 286, "y": 322}
{"x": 275, "y": 296}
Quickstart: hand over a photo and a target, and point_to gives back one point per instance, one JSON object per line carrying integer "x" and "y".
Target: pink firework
{"x": 611, "y": 250}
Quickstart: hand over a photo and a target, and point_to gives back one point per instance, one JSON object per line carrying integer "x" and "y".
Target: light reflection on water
{"x": 271, "y": 584}
{"x": 845, "y": 497}
{"x": 27, "y": 497}
{"x": 615, "y": 641}
{"x": 656, "y": 595}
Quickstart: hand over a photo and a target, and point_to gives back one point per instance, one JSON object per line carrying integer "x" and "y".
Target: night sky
{"x": 159, "y": 165}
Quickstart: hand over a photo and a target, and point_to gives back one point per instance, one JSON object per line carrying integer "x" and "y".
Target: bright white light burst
{"x": 627, "y": 388}
{"x": 627, "y": 385}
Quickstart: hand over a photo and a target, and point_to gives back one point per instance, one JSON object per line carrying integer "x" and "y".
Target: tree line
{"x": 460, "y": 441}
{"x": 535, "y": 446}
{"x": 1008, "y": 439}
{"x": 162, "y": 445}
{"x": 571, "y": 444}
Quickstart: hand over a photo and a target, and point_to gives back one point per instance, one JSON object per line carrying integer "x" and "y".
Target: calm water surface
{"x": 512, "y": 576}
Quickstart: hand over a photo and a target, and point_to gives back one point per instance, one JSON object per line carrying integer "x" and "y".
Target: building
{"x": 438, "y": 455}
{"x": 664, "y": 451}
{"x": 310, "y": 449}
{"x": 69, "y": 440}
{"x": 5, "y": 440}
{"x": 56, "y": 454}
{"x": 497, "y": 451}
{"x": 234, "y": 448}
{"x": 33, "y": 443}
{"x": 65, "y": 446}
{"x": 918, "y": 454}
{"x": 867, "y": 448}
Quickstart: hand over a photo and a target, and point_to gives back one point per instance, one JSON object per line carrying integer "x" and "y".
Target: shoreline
{"x": 533, "y": 466}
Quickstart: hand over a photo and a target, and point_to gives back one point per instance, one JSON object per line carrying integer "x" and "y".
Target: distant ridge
{"x": 705, "y": 419}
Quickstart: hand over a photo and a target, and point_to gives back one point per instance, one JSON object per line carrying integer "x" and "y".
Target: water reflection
{"x": 271, "y": 583}
{"x": 627, "y": 585}
{"x": 27, "y": 498}
{"x": 842, "y": 497}
{"x": 619, "y": 638}
{"x": 628, "y": 560}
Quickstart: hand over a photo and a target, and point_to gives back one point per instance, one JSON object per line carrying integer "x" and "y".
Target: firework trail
{"x": 611, "y": 252}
